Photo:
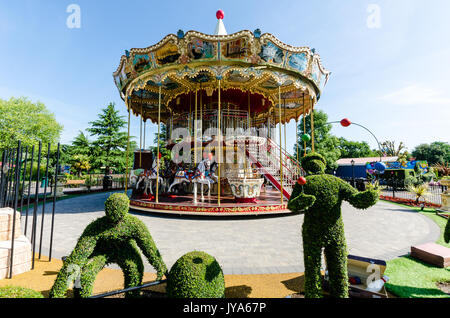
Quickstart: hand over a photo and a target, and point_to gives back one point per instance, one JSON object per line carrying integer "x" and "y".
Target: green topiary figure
{"x": 114, "y": 238}
{"x": 196, "y": 275}
{"x": 319, "y": 196}
{"x": 447, "y": 232}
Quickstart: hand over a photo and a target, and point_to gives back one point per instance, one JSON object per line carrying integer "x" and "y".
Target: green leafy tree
{"x": 81, "y": 145}
{"x": 80, "y": 163}
{"x": 355, "y": 149}
{"x": 390, "y": 149}
{"x": 437, "y": 152}
{"x": 109, "y": 149}
{"x": 325, "y": 143}
{"x": 21, "y": 119}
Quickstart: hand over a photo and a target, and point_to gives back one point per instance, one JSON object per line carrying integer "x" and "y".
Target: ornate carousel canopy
{"x": 253, "y": 69}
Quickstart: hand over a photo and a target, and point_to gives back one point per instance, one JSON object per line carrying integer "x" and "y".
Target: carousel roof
{"x": 251, "y": 66}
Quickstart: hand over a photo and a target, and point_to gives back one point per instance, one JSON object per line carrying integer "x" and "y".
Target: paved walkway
{"x": 251, "y": 245}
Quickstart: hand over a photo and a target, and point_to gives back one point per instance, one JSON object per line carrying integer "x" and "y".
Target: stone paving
{"x": 249, "y": 245}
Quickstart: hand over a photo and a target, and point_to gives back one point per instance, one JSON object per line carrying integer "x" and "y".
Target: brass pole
{"x": 128, "y": 153}
{"x": 201, "y": 122}
{"x": 189, "y": 116}
{"x": 140, "y": 140}
{"x": 157, "y": 152}
{"x": 195, "y": 130}
{"x": 312, "y": 124}
{"x": 285, "y": 148}
{"x": 279, "y": 125}
{"x": 144, "y": 135}
{"x": 304, "y": 124}
{"x": 249, "y": 120}
{"x": 220, "y": 149}
{"x": 296, "y": 132}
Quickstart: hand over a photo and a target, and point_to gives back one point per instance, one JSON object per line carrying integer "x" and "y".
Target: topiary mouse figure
{"x": 319, "y": 196}
{"x": 114, "y": 238}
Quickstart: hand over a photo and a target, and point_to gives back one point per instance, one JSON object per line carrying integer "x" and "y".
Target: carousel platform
{"x": 268, "y": 203}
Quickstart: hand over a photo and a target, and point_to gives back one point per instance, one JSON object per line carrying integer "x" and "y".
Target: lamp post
{"x": 346, "y": 123}
{"x": 353, "y": 172}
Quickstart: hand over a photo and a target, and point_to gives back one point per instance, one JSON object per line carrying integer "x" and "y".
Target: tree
{"x": 81, "y": 145}
{"x": 20, "y": 119}
{"x": 80, "y": 163}
{"x": 325, "y": 143}
{"x": 435, "y": 153}
{"x": 109, "y": 150}
{"x": 355, "y": 149}
{"x": 389, "y": 149}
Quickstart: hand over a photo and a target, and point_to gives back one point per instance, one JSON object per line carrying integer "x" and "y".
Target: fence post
{"x": 36, "y": 201}
{"x": 393, "y": 187}
{"x": 55, "y": 189}
{"x": 15, "y": 199}
{"x": 29, "y": 188}
{"x": 2, "y": 176}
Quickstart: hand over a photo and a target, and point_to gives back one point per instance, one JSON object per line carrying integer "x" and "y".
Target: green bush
{"x": 19, "y": 292}
{"x": 116, "y": 238}
{"x": 320, "y": 199}
{"x": 196, "y": 275}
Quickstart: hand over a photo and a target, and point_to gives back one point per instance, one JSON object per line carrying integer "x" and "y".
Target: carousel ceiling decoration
{"x": 246, "y": 63}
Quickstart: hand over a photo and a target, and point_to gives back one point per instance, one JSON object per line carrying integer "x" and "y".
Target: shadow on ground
{"x": 242, "y": 291}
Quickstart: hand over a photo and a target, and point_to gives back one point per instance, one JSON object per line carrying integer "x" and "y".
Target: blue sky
{"x": 393, "y": 79}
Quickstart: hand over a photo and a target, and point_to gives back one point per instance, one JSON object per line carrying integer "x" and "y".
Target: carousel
{"x": 220, "y": 103}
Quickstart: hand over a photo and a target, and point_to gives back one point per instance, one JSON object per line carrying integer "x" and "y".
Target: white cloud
{"x": 416, "y": 94}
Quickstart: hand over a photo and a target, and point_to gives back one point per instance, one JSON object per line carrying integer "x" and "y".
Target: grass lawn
{"x": 411, "y": 278}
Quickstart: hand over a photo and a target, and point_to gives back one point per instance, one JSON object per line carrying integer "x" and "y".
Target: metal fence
{"x": 28, "y": 178}
{"x": 93, "y": 183}
{"x": 398, "y": 190}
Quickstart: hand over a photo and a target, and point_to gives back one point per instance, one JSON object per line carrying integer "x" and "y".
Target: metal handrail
{"x": 121, "y": 291}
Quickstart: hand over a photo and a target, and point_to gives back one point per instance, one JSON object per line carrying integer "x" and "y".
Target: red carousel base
{"x": 268, "y": 203}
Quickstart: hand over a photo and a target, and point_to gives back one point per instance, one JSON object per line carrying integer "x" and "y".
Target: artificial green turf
{"x": 411, "y": 278}
{"x": 19, "y": 292}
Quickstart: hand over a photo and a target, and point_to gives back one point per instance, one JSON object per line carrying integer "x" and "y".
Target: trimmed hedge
{"x": 114, "y": 238}
{"x": 320, "y": 199}
{"x": 19, "y": 292}
{"x": 196, "y": 275}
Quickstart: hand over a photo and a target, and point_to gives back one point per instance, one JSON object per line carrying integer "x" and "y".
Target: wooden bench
{"x": 74, "y": 182}
{"x": 432, "y": 253}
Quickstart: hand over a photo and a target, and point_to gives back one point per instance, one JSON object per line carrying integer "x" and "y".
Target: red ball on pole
{"x": 301, "y": 181}
{"x": 220, "y": 15}
{"x": 346, "y": 122}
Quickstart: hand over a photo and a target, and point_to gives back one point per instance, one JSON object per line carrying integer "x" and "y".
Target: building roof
{"x": 363, "y": 161}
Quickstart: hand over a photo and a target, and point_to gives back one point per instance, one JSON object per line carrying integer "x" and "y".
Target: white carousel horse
{"x": 135, "y": 176}
{"x": 148, "y": 176}
{"x": 203, "y": 175}
{"x": 181, "y": 176}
